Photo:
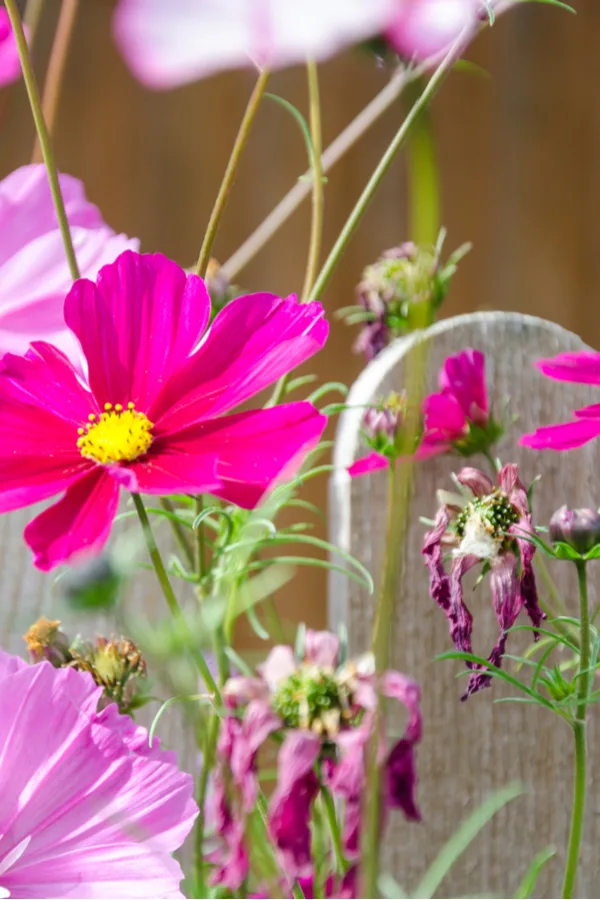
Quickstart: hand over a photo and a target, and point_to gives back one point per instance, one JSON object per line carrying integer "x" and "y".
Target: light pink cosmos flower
{"x": 150, "y": 418}
{"x": 580, "y": 368}
{"x": 88, "y": 808}
{"x": 34, "y": 275}
{"x": 10, "y": 66}
{"x": 455, "y": 418}
{"x": 168, "y": 44}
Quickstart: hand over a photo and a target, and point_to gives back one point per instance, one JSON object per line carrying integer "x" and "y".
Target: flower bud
{"x": 218, "y": 286}
{"x": 579, "y": 528}
{"x": 383, "y": 424}
{"x": 46, "y": 642}
{"x": 115, "y": 665}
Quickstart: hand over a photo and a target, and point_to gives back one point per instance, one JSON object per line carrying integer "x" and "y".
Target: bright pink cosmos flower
{"x": 455, "y": 418}
{"x": 88, "y": 808}
{"x": 150, "y": 417}
{"x": 10, "y": 66}
{"x": 34, "y": 275}
{"x": 167, "y": 44}
{"x": 325, "y": 713}
{"x": 581, "y": 368}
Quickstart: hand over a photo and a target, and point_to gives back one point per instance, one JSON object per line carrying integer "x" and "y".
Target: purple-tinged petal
{"x": 321, "y": 648}
{"x": 258, "y": 723}
{"x": 371, "y": 463}
{"x": 80, "y": 522}
{"x": 348, "y": 781}
{"x": 439, "y": 583}
{"x": 255, "y": 449}
{"x": 10, "y": 65}
{"x": 401, "y": 779}
{"x": 242, "y": 689}
{"x": 136, "y": 299}
{"x": 278, "y": 666}
{"x": 9, "y": 664}
{"x": 399, "y": 687}
{"x": 459, "y": 617}
{"x": 565, "y": 436}
{"x": 422, "y": 29}
{"x": 511, "y": 484}
{"x": 480, "y": 677}
{"x": 582, "y": 367}
{"x": 528, "y": 585}
{"x": 289, "y": 810}
{"x": 252, "y": 342}
{"x": 477, "y": 482}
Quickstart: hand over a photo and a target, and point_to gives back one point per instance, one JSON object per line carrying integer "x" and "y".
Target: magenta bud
{"x": 579, "y": 528}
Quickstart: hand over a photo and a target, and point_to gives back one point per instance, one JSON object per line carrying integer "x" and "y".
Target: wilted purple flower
{"x": 489, "y": 524}
{"x": 579, "y": 528}
{"x": 324, "y": 713}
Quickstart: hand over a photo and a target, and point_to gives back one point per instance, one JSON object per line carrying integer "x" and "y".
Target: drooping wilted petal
{"x": 439, "y": 583}
{"x": 459, "y": 617}
{"x": 279, "y": 665}
{"x": 477, "y": 482}
{"x": 401, "y": 779}
{"x": 528, "y": 587}
{"x": 321, "y": 648}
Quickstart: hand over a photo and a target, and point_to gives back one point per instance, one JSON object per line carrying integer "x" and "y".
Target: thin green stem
{"x": 316, "y": 228}
{"x": 200, "y": 539}
{"x": 230, "y": 172}
{"x": 43, "y": 136}
{"x": 579, "y": 733}
{"x": 303, "y": 187}
{"x": 56, "y": 69}
{"x": 341, "y": 863}
{"x": 424, "y": 193}
{"x": 169, "y": 594}
{"x": 382, "y": 168}
{"x": 179, "y": 532}
{"x": 208, "y": 761}
{"x": 493, "y": 462}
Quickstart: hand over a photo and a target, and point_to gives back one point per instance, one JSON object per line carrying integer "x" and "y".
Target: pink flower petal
{"x": 149, "y": 315}
{"x": 566, "y": 436}
{"x": 588, "y": 412}
{"x": 425, "y": 28}
{"x": 582, "y": 367}
{"x": 176, "y": 469}
{"x": 463, "y": 375}
{"x": 254, "y": 448}
{"x": 371, "y": 463}
{"x": 10, "y": 67}
{"x": 279, "y": 665}
{"x": 79, "y": 522}
{"x": 253, "y": 341}
{"x": 444, "y": 417}
{"x": 321, "y": 648}
{"x": 189, "y": 39}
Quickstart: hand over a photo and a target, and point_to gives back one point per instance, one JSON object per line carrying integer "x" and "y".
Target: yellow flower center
{"x": 116, "y": 435}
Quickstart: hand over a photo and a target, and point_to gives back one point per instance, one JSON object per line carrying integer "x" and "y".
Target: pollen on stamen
{"x": 116, "y": 435}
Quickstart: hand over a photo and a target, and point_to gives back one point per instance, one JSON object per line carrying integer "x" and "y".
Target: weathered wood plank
{"x": 473, "y": 748}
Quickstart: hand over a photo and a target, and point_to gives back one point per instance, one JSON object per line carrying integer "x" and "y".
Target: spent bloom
{"x": 580, "y": 368}
{"x": 323, "y": 713}
{"x": 34, "y": 274}
{"x": 150, "y": 417}
{"x": 489, "y": 524}
{"x": 403, "y": 278}
{"x": 88, "y": 809}
{"x": 10, "y": 66}
{"x": 455, "y": 418}
{"x": 167, "y": 44}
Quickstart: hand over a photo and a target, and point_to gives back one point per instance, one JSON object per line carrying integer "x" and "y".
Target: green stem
{"x": 200, "y": 539}
{"x": 169, "y": 594}
{"x": 316, "y": 229}
{"x": 341, "y": 863}
{"x": 210, "y": 746}
{"x": 179, "y": 532}
{"x": 493, "y": 462}
{"x": 423, "y": 178}
{"x": 579, "y": 733}
{"x": 230, "y": 172}
{"x": 331, "y": 155}
{"x": 43, "y": 136}
{"x": 381, "y": 170}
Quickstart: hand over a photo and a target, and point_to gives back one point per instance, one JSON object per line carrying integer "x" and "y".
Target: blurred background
{"x": 518, "y": 148}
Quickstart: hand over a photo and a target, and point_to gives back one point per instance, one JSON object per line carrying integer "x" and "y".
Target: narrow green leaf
{"x": 460, "y": 840}
{"x": 255, "y": 624}
{"x": 390, "y": 889}
{"x": 301, "y": 122}
{"x": 329, "y": 388}
{"x": 531, "y": 876}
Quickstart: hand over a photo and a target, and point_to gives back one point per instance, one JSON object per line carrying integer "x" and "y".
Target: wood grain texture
{"x": 470, "y": 749}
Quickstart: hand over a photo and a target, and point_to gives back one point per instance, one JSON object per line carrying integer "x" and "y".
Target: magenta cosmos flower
{"x": 150, "y": 417}
{"x": 580, "y": 368}
{"x": 323, "y": 713}
{"x": 171, "y": 44}
{"x": 34, "y": 275}
{"x": 88, "y": 808}
{"x": 488, "y": 524}
{"x": 10, "y": 66}
{"x": 457, "y": 418}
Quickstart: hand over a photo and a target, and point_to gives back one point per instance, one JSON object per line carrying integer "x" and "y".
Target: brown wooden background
{"x": 519, "y": 154}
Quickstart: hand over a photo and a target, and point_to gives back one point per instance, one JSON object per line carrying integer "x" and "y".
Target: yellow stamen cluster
{"x": 116, "y": 435}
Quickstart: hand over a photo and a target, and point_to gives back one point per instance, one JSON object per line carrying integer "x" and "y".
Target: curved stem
{"x": 579, "y": 732}
{"x": 230, "y": 172}
{"x": 384, "y": 164}
{"x": 169, "y": 593}
{"x": 44, "y": 137}
{"x": 56, "y": 69}
{"x": 331, "y": 155}
{"x": 316, "y": 228}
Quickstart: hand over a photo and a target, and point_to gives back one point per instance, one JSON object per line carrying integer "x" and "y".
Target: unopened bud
{"x": 579, "y": 528}
{"x": 383, "y": 424}
{"x": 46, "y": 642}
{"x": 218, "y": 286}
